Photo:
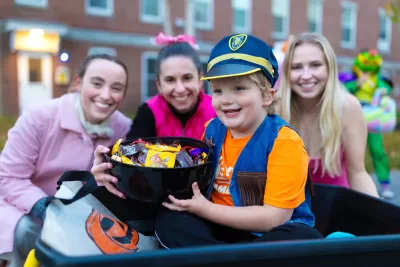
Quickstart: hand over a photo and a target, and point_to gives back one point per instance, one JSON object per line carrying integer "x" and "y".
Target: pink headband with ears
{"x": 162, "y": 39}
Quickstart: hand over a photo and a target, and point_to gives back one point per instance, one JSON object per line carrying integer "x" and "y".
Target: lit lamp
{"x": 64, "y": 57}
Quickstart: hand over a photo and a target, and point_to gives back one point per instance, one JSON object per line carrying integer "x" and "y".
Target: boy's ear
{"x": 269, "y": 97}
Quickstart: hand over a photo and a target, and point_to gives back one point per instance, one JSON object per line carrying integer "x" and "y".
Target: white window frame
{"x": 318, "y": 16}
{"x": 145, "y": 76}
{"x": 286, "y": 22}
{"x": 208, "y": 25}
{"x": 102, "y": 50}
{"x": 41, "y": 4}
{"x": 95, "y": 11}
{"x": 354, "y": 13}
{"x": 385, "y": 45}
{"x": 206, "y": 84}
{"x": 248, "y": 22}
{"x": 145, "y": 18}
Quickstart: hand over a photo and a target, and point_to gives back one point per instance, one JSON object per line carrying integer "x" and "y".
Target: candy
{"x": 163, "y": 148}
{"x": 158, "y": 155}
{"x": 194, "y": 152}
{"x": 183, "y": 159}
{"x": 158, "y": 159}
{"x": 115, "y": 150}
{"x": 130, "y": 150}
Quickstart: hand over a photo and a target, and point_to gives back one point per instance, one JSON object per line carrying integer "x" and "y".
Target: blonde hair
{"x": 262, "y": 82}
{"x": 330, "y": 104}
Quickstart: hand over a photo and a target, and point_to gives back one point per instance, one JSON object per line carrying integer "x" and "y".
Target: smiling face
{"x": 102, "y": 89}
{"x": 179, "y": 82}
{"x": 240, "y": 104}
{"x": 308, "y": 71}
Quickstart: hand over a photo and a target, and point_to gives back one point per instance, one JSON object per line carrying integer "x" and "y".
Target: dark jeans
{"x": 177, "y": 229}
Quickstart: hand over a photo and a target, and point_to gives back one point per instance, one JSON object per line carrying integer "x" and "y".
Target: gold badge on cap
{"x": 236, "y": 41}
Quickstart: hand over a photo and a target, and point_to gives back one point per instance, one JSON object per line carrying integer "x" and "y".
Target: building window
{"x": 204, "y": 14}
{"x": 103, "y": 8}
{"x": 102, "y": 50}
{"x": 32, "y": 3}
{"x": 349, "y": 24}
{"x": 280, "y": 14}
{"x": 151, "y": 11}
{"x": 149, "y": 76}
{"x": 315, "y": 15}
{"x": 385, "y": 32}
{"x": 206, "y": 84}
{"x": 35, "y": 70}
{"x": 241, "y": 16}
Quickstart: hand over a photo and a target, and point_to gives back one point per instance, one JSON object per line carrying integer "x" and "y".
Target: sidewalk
{"x": 395, "y": 181}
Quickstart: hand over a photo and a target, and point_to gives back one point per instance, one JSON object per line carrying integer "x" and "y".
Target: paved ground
{"x": 395, "y": 181}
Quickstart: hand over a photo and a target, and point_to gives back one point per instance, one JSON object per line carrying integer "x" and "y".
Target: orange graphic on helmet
{"x": 111, "y": 236}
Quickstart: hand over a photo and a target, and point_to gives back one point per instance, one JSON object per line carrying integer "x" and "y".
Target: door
{"x": 35, "y": 79}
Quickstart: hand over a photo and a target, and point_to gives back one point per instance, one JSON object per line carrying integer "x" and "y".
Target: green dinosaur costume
{"x": 378, "y": 108}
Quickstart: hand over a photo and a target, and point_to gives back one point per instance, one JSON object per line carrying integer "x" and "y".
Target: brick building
{"x": 34, "y": 33}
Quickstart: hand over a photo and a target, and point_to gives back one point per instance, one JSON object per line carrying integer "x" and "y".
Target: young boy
{"x": 260, "y": 165}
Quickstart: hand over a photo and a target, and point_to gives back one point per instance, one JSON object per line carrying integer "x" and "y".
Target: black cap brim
{"x": 229, "y": 70}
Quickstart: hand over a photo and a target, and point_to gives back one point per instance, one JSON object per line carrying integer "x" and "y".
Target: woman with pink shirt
{"x": 181, "y": 108}
{"x": 50, "y": 139}
{"x": 329, "y": 119}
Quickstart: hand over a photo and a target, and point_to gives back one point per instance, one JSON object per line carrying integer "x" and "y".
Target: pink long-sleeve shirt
{"x": 45, "y": 142}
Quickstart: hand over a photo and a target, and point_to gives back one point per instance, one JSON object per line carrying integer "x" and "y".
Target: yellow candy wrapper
{"x": 159, "y": 159}
{"x": 163, "y": 148}
{"x": 126, "y": 160}
{"x": 115, "y": 148}
{"x": 122, "y": 159}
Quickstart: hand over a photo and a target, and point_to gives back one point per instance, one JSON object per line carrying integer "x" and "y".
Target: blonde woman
{"x": 329, "y": 119}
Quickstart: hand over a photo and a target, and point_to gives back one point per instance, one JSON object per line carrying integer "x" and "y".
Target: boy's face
{"x": 240, "y": 104}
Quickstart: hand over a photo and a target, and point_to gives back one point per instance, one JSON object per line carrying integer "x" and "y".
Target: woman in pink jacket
{"x": 52, "y": 138}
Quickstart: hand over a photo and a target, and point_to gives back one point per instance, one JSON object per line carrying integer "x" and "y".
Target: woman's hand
{"x": 99, "y": 171}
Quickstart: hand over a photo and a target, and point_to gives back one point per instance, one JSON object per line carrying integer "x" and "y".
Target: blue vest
{"x": 254, "y": 158}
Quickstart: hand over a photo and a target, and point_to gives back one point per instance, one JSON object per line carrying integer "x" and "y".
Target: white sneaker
{"x": 387, "y": 194}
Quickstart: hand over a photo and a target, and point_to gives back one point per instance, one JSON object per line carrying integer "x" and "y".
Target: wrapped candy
{"x": 163, "y": 148}
{"x": 158, "y": 159}
{"x": 183, "y": 159}
{"x": 158, "y": 155}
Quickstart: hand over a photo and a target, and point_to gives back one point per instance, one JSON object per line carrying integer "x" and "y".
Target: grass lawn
{"x": 391, "y": 141}
{"x": 392, "y": 148}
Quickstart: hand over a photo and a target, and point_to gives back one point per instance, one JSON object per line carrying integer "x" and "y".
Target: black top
{"x": 144, "y": 123}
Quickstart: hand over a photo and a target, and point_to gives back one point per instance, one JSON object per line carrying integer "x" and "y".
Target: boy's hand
{"x": 196, "y": 205}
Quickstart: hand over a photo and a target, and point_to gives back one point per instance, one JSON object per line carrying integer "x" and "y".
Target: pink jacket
{"x": 46, "y": 141}
{"x": 168, "y": 125}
